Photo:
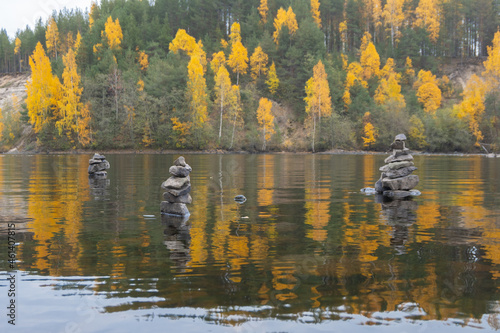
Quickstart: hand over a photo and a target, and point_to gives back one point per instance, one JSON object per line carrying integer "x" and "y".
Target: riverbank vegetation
{"x": 257, "y": 75}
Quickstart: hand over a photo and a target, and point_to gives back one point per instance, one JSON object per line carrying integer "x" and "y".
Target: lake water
{"x": 307, "y": 251}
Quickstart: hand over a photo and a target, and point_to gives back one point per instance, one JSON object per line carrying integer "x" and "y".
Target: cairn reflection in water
{"x": 400, "y": 214}
{"x": 177, "y": 239}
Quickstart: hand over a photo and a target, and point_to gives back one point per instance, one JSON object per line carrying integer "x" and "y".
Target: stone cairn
{"x": 177, "y": 189}
{"x": 397, "y": 180}
{"x": 98, "y": 166}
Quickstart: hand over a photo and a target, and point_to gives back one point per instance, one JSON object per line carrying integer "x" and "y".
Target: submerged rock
{"x": 240, "y": 198}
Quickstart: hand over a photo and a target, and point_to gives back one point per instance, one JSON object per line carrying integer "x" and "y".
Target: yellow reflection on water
{"x": 56, "y": 197}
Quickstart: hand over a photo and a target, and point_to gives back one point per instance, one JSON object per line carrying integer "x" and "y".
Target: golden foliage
{"x": 265, "y": 119}
{"x": 17, "y": 47}
{"x": 182, "y": 131}
{"x": 184, "y": 42}
{"x": 235, "y": 34}
{"x": 272, "y": 79}
{"x": 417, "y": 132}
{"x": 389, "y": 88}
{"x": 83, "y": 126}
{"x": 258, "y": 63}
{"x": 343, "y": 34}
{"x": 224, "y": 44}
{"x": 393, "y": 15}
{"x": 318, "y": 99}
{"x": 284, "y": 18}
{"x": 42, "y": 90}
{"x": 222, "y": 91}
{"x": 113, "y": 33}
{"x": 263, "y": 9}
{"x": 238, "y": 59}
{"x": 492, "y": 64}
{"x": 409, "y": 73}
{"x": 52, "y": 38}
{"x": 427, "y": 14}
{"x": 370, "y": 61}
{"x": 218, "y": 59}
{"x": 142, "y": 58}
{"x": 315, "y": 12}
{"x": 197, "y": 92}
{"x": 354, "y": 76}
{"x": 472, "y": 106}
{"x": 92, "y": 14}
{"x": 69, "y": 104}
{"x": 370, "y": 133}
{"x": 428, "y": 92}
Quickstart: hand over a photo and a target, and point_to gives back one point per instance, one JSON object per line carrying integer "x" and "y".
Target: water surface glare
{"x": 307, "y": 251}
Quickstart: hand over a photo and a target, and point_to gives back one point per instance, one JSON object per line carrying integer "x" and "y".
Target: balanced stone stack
{"x": 397, "y": 180}
{"x": 177, "y": 189}
{"x": 98, "y": 165}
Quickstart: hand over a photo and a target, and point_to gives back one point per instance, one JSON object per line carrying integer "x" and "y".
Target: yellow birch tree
{"x": 218, "y": 60}
{"x": 272, "y": 79}
{"x": 284, "y": 18}
{"x": 52, "y": 38}
{"x": 197, "y": 93}
{"x": 318, "y": 99}
{"x": 17, "y": 50}
{"x": 389, "y": 89}
{"x": 113, "y": 33}
{"x": 142, "y": 59}
{"x": 428, "y": 16}
{"x": 369, "y": 131}
{"x": 265, "y": 119}
{"x": 238, "y": 60}
{"x": 370, "y": 61}
{"x": 315, "y": 12}
{"x": 263, "y": 9}
{"x": 183, "y": 41}
{"x": 222, "y": 91}
{"x": 472, "y": 106}
{"x": 393, "y": 18}
{"x": 42, "y": 90}
{"x": 258, "y": 63}
{"x": 354, "y": 76}
{"x": 69, "y": 105}
{"x": 492, "y": 63}
{"x": 428, "y": 91}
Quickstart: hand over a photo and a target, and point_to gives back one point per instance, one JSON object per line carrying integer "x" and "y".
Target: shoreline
{"x": 228, "y": 152}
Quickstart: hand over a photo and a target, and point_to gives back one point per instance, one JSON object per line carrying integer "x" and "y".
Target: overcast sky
{"x": 16, "y": 14}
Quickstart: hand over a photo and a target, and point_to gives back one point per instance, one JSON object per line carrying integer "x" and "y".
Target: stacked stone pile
{"x": 177, "y": 189}
{"x": 397, "y": 179}
{"x": 98, "y": 165}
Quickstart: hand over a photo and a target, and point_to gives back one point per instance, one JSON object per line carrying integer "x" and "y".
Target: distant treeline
{"x": 256, "y": 74}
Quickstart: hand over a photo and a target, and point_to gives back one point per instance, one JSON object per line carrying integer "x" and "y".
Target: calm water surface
{"x": 306, "y": 252}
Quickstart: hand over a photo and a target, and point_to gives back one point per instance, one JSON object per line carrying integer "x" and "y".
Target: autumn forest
{"x": 257, "y": 75}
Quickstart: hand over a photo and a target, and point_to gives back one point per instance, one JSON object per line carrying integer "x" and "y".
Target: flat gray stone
{"x": 403, "y": 172}
{"x": 404, "y": 183}
{"x": 177, "y": 193}
{"x": 180, "y": 161}
{"x": 98, "y": 156}
{"x": 400, "y": 137}
{"x": 178, "y": 209}
{"x": 399, "y": 152}
{"x": 93, "y": 168}
{"x": 185, "y": 199}
{"x": 175, "y": 183}
{"x": 396, "y": 165}
{"x": 401, "y": 158}
{"x": 179, "y": 171}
